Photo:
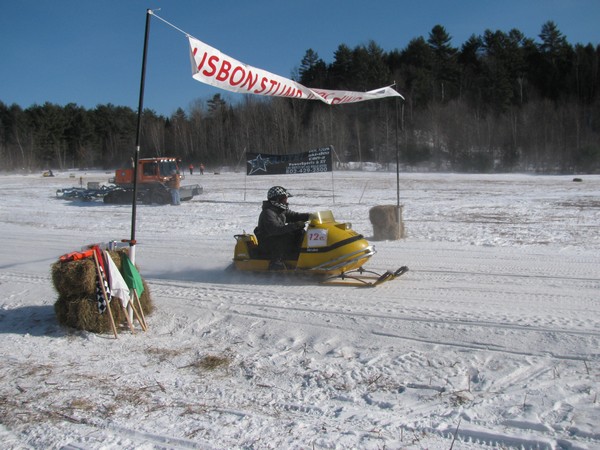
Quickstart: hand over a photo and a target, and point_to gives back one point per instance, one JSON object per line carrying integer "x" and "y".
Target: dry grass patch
{"x": 82, "y": 404}
{"x": 165, "y": 354}
{"x": 210, "y": 363}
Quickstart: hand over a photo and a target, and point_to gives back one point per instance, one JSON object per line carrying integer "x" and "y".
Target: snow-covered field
{"x": 492, "y": 339}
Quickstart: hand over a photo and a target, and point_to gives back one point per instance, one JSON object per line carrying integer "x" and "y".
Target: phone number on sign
{"x": 306, "y": 169}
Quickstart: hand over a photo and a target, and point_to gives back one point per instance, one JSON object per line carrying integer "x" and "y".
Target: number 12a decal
{"x": 317, "y": 238}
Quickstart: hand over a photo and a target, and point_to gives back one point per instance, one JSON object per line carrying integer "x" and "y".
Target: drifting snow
{"x": 491, "y": 339}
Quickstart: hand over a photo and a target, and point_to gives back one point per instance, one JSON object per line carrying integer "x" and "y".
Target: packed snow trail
{"x": 491, "y": 338}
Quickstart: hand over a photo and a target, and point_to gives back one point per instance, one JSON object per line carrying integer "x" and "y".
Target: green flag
{"x": 131, "y": 275}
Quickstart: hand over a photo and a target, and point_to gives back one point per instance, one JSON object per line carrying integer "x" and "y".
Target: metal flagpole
{"x": 397, "y": 166}
{"x": 398, "y": 214}
{"x": 137, "y": 139}
{"x": 332, "y": 184}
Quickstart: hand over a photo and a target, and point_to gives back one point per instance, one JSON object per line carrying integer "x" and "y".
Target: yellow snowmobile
{"x": 330, "y": 249}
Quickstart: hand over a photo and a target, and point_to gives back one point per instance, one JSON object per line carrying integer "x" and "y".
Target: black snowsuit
{"x": 280, "y": 231}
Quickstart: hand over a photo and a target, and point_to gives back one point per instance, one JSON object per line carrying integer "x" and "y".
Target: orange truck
{"x": 155, "y": 177}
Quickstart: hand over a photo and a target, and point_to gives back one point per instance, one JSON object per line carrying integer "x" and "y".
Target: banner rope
{"x": 170, "y": 24}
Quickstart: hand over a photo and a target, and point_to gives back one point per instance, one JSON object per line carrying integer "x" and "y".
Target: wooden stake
{"x": 106, "y": 299}
{"x": 127, "y": 317}
{"x": 137, "y": 298}
{"x": 137, "y": 316}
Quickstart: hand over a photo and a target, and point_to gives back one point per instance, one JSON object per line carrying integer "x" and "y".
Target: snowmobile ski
{"x": 364, "y": 278}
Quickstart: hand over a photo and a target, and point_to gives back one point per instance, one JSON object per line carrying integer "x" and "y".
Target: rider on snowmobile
{"x": 280, "y": 230}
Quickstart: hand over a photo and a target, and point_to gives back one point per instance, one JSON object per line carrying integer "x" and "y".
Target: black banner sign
{"x": 312, "y": 161}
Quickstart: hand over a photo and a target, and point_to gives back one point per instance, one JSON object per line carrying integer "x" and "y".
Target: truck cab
{"x": 153, "y": 177}
{"x": 150, "y": 170}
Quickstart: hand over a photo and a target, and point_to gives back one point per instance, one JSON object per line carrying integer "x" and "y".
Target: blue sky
{"x": 90, "y": 52}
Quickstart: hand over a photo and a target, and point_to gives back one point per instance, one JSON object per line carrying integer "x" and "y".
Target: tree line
{"x": 499, "y": 102}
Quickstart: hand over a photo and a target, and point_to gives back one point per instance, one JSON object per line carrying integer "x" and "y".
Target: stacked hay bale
{"x": 387, "y": 222}
{"x": 77, "y": 306}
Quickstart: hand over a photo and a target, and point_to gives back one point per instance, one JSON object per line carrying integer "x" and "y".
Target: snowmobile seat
{"x": 255, "y": 251}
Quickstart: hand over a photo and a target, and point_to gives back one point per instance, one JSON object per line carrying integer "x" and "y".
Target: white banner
{"x": 210, "y": 66}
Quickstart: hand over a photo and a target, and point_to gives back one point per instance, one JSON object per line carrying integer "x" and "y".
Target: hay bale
{"x": 77, "y": 307}
{"x": 146, "y": 300}
{"x": 74, "y": 278}
{"x": 82, "y": 314}
{"x": 78, "y": 278}
{"x": 387, "y": 222}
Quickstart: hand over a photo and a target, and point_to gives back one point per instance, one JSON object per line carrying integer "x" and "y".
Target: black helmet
{"x": 277, "y": 191}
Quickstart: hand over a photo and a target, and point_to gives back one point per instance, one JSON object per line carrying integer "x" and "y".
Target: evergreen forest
{"x": 500, "y": 102}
